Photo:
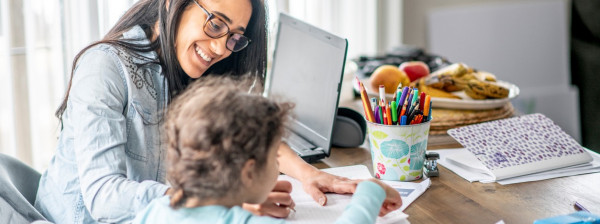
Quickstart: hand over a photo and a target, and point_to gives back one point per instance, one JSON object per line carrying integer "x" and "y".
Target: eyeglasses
{"x": 215, "y": 28}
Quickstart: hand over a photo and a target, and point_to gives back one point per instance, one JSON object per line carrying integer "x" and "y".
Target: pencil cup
{"x": 398, "y": 151}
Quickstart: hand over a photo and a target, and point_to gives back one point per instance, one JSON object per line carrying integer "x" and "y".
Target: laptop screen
{"x": 307, "y": 69}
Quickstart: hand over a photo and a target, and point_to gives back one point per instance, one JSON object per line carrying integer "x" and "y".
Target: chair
{"x": 18, "y": 189}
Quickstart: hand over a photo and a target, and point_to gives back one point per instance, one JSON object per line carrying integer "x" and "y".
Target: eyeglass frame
{"x": 210, "y": 16}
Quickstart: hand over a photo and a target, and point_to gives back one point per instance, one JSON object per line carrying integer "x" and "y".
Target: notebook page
{"x": 308, "y": 211}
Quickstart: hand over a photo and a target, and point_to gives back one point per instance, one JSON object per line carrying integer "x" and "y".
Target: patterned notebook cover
{"x": 521, "y": 145}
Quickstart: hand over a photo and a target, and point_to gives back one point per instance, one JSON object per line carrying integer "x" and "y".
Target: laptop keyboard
{"x": 298, "y": 143}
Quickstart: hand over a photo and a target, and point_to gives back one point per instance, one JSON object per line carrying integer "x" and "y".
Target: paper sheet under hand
{"x": 465, "y": 164}
{"x": 308, "y": 211}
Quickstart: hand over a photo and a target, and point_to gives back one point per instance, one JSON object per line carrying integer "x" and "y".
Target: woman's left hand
{"x": 319, "y": 183}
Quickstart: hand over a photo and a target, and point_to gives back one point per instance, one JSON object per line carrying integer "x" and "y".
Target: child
{"x": 222, "y": 152}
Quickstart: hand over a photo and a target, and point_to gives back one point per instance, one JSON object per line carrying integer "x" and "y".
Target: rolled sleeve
{"x": 97, "y": 99}
{"x": 365, "y": 205}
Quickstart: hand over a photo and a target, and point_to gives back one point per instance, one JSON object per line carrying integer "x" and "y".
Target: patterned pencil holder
{"x": 398, "y": 151}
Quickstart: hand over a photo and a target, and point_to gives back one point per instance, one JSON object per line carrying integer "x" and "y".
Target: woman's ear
{"x": 248, "y": 174}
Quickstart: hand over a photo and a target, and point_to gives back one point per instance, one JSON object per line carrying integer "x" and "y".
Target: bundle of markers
{"x": 407, "y": 106}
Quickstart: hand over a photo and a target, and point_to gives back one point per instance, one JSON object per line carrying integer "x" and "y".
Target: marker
{"x": 400, "y": 102}
{"x": 377, "y": 118}
{"x": 409, "y": 101}
{"x": 373, "y": 103}
{"x": 403, "y": 120}
{"x": 381, "y": 118}
{"x": 430, "y": 114}
{"x": 382, "y": 94}
{"x": 394, "y": 112}
{"x": 426, "y": 107}
{"x": 422, "y": 100}
{"x": 389, "y": 114}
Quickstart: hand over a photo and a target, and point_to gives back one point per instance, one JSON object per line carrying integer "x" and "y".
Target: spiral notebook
{"x": 521, "y": 145}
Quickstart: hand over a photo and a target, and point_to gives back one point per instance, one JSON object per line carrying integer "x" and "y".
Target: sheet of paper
{"x": 308, "y": 211}
{"x": 455, "y": 160}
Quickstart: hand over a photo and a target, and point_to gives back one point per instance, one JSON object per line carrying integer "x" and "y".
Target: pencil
{"x": 365, "y": 100}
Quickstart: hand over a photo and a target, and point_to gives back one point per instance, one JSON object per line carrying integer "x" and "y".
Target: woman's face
{"x": 195, "y": 50}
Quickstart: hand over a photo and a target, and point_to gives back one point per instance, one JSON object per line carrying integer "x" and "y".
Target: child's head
{"x": 222, "y": 142}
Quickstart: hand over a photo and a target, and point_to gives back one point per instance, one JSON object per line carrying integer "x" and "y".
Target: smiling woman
{"x": 109, "y": 161}
{"x": 109, "y": 158}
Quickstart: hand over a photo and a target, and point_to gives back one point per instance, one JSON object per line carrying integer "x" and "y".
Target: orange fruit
{"x": 389, "y": 76}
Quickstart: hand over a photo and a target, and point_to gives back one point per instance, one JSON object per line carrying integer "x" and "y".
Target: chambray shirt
{"x": 109, "y": 162}
{"x": 363, "y": 208}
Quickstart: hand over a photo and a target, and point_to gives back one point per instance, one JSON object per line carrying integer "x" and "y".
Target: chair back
{"x": 18, "y": 189}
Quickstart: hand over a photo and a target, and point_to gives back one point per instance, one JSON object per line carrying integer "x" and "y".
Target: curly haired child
{"x": 222, "y": 152}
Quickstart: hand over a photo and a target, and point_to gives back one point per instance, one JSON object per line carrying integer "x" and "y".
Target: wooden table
{"x": 452, "y": 199}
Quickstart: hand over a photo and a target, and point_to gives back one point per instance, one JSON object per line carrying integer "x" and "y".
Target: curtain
{"x": 39, "y": 39}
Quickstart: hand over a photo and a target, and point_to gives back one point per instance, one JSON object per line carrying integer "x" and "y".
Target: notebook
{"x": 521, "y": 145}
{"x": 307, "y": 69}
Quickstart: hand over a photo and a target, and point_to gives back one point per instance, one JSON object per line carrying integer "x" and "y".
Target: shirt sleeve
{"x": 365, "y": 205}
{"x": 97, "y": 99}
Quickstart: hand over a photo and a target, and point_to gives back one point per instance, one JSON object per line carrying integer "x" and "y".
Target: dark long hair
{"x": 252, "y": 60}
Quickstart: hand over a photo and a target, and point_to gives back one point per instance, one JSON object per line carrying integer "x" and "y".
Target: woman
{"x": 109, "y": 159}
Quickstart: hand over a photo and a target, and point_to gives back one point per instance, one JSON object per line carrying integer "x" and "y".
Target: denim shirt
{"x": 109, "y": 161}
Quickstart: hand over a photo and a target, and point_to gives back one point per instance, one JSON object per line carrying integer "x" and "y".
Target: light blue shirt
{"x": 364, "y": 208}
{"x": 108, "y": 164}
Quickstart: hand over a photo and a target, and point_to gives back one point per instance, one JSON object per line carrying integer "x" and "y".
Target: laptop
{"x": 307, "y": 69}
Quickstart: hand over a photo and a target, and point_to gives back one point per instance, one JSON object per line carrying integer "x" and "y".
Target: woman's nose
{"x": 219, "y": 45}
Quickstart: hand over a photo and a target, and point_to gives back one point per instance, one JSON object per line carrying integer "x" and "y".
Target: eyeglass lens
{"x": 216, "y": 28}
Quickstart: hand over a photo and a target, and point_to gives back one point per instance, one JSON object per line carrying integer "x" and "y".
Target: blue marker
{"x": 403, "y": 120}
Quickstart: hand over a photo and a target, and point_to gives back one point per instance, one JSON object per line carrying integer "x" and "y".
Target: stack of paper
{"x": 308, "y": 211}
{"x": 465, "y": 164}
{"x": 531, "y": 147}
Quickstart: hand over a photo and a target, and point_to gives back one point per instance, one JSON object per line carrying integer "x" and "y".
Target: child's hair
{"x": 212, "y": 129}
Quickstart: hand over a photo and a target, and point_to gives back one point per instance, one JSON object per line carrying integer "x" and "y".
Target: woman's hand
{"x": 392, "y": 198}
{"x": 319, "y": 183}
{"x": 279, "y": 203}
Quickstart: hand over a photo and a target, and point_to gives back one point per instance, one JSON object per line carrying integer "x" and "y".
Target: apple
{"x": 414, "y": 69}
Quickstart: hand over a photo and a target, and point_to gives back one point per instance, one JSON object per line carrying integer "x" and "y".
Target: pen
{"x": 579, "y": 207}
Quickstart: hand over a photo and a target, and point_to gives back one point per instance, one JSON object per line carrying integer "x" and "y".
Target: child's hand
{"x": 321, "y": 182}
{"x": 279, "y": 203}
{"x": 392, "y": 200}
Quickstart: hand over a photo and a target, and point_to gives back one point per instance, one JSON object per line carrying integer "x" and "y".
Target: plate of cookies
{"x": 458, "y": 86}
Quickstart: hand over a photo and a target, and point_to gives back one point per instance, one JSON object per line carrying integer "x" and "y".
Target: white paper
{"x": 308, "y": 211}
{"x": 460, "y": 161}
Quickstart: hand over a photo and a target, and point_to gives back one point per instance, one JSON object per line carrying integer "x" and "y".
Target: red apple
{"x": 414, "y": 69}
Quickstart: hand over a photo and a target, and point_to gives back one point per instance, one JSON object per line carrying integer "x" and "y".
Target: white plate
{"x": 466, "y": 102}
